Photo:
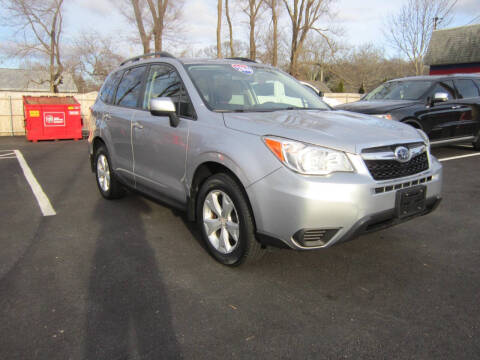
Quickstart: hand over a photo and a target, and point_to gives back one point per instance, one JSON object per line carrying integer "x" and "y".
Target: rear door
{"x": 159, "y": 149}
{"x": 120, "y": 121}
{"x": 440, "y": 120}
{"x": 469, "y": 99}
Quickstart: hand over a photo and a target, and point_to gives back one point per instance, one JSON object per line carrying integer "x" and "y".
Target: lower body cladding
{"x": 312, "y": 212}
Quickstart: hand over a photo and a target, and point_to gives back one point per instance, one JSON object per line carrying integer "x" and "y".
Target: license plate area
{"x": 411, "y": 201}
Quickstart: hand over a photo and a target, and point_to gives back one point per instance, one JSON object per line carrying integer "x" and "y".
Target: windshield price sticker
{"x": 245, "y": 69}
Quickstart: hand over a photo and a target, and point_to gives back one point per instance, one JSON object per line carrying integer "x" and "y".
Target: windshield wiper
{"x": 297, "y": 108}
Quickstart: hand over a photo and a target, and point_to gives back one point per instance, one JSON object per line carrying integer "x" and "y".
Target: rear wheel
{"x": 226, "y": 222}
{"x": 107, "y": 182}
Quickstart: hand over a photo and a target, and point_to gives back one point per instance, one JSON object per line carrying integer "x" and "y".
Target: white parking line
{"x": 459, "y": 157}
{"x": 42, "y": 199}
{"x": 8, "y": 155}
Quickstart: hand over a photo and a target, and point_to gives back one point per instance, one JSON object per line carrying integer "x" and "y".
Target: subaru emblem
{"x": 402, "y": 154}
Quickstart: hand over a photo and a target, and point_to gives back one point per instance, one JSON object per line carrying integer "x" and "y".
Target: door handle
{"x": 107, "y": 116}
{"x": 456, "y": 107}
{"x": 137, "y": 125}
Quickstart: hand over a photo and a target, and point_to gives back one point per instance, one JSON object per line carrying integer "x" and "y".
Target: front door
{"x": 441, "y": 119}
{"x": 159, "y": 149}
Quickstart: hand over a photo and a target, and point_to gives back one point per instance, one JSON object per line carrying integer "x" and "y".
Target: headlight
{"x": 424, "y": 137}
{"x": 308, "y": 159}
{"x": 384, "y": 116}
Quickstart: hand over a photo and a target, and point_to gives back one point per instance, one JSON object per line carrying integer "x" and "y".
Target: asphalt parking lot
{"x": 129, "y": 279}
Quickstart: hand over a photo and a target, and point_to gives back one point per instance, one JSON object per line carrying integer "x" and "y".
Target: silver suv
{"x": 254, "y": 157}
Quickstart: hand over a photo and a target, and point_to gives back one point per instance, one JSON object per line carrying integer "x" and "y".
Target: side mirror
{"x": 440, "y": 97}
{"x": 164, "y": 106}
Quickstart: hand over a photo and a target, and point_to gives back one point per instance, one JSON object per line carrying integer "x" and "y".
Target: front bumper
{"x": 285, "y": 203}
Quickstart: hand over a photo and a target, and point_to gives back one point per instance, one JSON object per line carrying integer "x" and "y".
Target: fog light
{"x": 314, "y": 237}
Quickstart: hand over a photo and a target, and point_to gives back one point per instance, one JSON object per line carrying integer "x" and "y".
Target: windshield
{"x": 251, "y": 88}
{"x": 399, "y": 90}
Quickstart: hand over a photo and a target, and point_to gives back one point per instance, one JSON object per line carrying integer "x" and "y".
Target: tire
{"x": 476, "y": 144}
{"x": 226, "y": 223}
{"x": 108, "y": 185}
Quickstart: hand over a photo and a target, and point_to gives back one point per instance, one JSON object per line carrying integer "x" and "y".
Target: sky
{"x": 362, "y": 22}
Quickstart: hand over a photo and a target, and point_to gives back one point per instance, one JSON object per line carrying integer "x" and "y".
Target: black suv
{"x": 446, "y": 107}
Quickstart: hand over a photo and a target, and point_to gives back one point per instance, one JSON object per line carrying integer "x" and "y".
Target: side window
{"x": 444, "y": 87}
{"x": 163, "y": 81}
{"x": 477, "y": 81}
{"x": 108, "y": 90}
{"x": 466, "y": 88}
{"x": 130, "y": 87}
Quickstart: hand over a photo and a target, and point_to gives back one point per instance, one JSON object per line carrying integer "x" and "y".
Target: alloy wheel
{"x": 103, "y": 172}
{"x": 221, "y": 222}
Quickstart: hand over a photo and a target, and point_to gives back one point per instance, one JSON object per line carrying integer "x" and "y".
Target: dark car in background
{"x": 446, "y": 108}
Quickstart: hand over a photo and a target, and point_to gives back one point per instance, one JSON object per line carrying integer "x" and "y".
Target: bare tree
{"x": 240, "y": 49}
{"x": 40, "y": 24}
{"x": 229, "y": 21}
{"x": 304, "y": 16}
{"x": 411, "y": 28}
{"x": 153, "y": 20}
{"x": 273, "y": 5}
{"x": 92, "y": 58}
{"x": 361, "y": 67}
{"x": 144, "y": 37}
{"x": 219, "y": 28}
{"x": 316, "y": 57}
{"x": 252, "y": 10}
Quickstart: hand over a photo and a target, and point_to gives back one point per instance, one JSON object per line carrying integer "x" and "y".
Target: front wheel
{"x": 226, "y": 222}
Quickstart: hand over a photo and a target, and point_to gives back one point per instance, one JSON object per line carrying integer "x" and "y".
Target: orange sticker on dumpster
{"x": 34, "y": 113}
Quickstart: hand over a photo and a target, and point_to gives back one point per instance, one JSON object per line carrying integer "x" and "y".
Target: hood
{"x": 341, "y": 130}
{"x": 377, "y": 106}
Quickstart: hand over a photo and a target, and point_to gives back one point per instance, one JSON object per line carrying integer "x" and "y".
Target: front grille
{"x": 388, "y": 188}
{"x": 392, "y": 169}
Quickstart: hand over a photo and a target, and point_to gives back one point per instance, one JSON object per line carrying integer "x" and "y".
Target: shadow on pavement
{"x": 128, "y": 314}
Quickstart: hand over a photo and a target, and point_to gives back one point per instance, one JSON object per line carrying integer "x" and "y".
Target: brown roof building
{"x": 455, "y": 50}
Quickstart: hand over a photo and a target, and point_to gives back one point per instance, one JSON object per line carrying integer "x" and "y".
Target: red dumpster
{"x": 52, "y": 118}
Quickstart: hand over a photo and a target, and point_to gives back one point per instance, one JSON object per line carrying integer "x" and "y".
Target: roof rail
{"x": 155, "y": 54}
{"x": 241, "y": 59}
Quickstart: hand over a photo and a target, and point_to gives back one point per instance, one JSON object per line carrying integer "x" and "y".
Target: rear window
{"x": 108, "y": 90}
{"x": 129, "y": 89}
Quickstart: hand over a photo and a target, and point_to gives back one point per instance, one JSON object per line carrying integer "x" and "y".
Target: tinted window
{"x": 466, "y": 88}
{"x": 399, "y": 90}
{"x": 444, "y": 87}
{"x": 108, "y": 90}
{"x": 129, "y": 88}
{"x": 163, "y": 81}
{"x": 477, "y": 81}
